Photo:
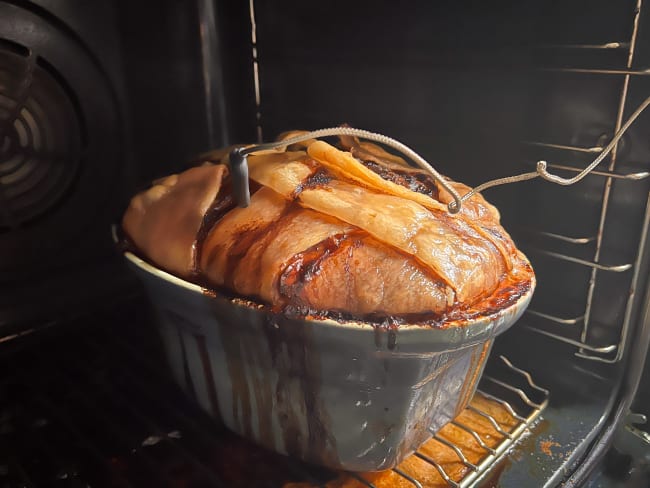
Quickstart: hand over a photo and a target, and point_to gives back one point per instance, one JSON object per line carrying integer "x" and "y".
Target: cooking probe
{"x": 239, "y": 161}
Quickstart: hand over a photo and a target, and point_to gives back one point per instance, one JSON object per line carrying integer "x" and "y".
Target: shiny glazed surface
{"x": 332, "y": 234}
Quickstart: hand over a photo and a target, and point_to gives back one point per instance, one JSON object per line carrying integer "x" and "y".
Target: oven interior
{"x": 96, "y": 101}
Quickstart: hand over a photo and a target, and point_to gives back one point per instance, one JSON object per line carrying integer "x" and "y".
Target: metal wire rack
{"x": 526, "y": 400}
{"x": 611, "y": 352}
{"x": 563, "y": 328}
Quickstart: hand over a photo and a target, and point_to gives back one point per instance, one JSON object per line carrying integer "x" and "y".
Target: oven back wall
{"x": 435, "y": 75}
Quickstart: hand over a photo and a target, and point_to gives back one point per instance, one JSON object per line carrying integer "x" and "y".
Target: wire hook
{"x": 239, "y": 162}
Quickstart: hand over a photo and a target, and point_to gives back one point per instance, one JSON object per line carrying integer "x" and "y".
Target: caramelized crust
{"x": 285, "y": 254}
{"x": 330, "y": 234}
{"x": 364, "y": 275}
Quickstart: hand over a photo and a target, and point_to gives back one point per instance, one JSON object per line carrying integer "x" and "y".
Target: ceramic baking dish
{"x": 345, "y": 395}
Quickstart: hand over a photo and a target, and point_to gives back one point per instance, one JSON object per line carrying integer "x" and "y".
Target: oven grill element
{"x": 40, "y": 137}
{"x": 90, "y": 408}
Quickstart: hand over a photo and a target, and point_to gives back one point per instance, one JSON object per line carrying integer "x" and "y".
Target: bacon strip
{"x": 163, "y": 222}
{"x": 326, "y": 232}
{"x": 451, "y": 248}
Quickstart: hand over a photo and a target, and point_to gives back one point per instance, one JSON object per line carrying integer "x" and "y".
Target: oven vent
{"x": 61, "y": 153}
{"x": 40, "y": 137}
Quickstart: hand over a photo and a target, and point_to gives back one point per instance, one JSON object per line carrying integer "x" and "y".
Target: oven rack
{"x": 575, "y": 330}
{"x": 532, "y": 399}
{"x": 564, "y": 326}
{"x": 92, "y": 409}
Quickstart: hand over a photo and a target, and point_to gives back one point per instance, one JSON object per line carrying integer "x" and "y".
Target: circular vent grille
{"x": 40, "y": 138}
{"x": 61, "y": 142}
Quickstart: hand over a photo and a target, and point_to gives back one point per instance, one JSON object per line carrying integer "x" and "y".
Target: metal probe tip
{"x": 239, "y": 175}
